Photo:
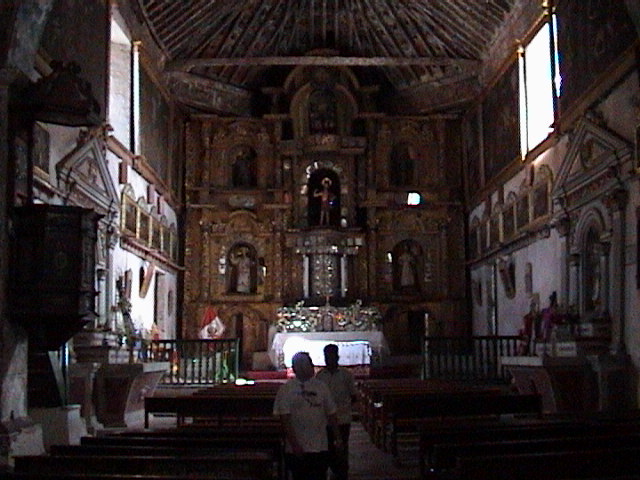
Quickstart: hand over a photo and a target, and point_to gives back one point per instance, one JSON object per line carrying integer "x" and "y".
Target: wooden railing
{"x": 468, "y": 358}
{"x": 195, "y": 362}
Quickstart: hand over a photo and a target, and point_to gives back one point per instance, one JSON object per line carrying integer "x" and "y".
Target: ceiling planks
{"x": 405, "y": 44}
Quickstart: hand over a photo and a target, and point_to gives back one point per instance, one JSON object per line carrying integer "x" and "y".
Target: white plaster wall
{"x": 142, "y": 309}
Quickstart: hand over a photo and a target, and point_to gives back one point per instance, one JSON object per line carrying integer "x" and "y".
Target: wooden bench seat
{"x": 582, "y": 464}
{"x": 378, "y": 400}
{"x": 410, "y": 415}
{"x": 118, "y": 476}
{"x": 515, "y": 429}
{"x": 255, "y": 465}
{"x": 215, "y": 409}
{"x": 444, "y": 456}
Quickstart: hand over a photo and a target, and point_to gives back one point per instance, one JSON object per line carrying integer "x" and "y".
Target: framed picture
{"x": 144, "y": 224}
{"x": 130, "y": 216}
{"x": 166, "y": 241}
{"x": 494, "y": 230}
{"x": 156, "y": 235}
{"x": 522, "y": 211}
{"x": 541, "y": 200}
{"x": 508, "y": 221}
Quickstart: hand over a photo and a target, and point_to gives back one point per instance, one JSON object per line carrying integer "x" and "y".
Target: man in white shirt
{"x": 307, "y": 410}
{"x": 342, "y": 387}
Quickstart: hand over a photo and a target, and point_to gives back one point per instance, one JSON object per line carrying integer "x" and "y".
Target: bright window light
{"x": 413, "y": 198}
{"x": 537, "y": 77}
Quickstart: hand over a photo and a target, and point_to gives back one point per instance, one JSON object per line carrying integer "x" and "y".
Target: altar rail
{"x": 468, "y": 358}
{"x": 195, "y": 362}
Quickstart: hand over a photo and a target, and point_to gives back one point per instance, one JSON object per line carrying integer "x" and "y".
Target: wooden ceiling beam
{"x": 328, "y": 61}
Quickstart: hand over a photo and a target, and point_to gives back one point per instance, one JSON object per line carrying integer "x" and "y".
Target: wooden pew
{"x": 115, "y": 476}
{"x": 581, "y": 464}
{"x": 248, "y": 465}
{"x": 409, "y": 415}
{"x": 244, "y": 438}
{"x": 517, "y": 429}
{"x": 216, "y": 409}
{"x": 377, "y": 396}
{"x": 444, "y": 456}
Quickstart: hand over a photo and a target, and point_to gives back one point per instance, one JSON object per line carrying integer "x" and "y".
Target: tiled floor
{"x": 367, "y": 462}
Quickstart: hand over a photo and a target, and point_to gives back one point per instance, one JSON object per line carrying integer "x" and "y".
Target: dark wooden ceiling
{"x": 403, "y": 44}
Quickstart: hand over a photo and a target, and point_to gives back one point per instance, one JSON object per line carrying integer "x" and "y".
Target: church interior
{"x": 191, "y": 192}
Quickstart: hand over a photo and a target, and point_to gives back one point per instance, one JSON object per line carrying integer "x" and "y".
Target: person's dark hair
{"x": 331, "y": 348}
{"x": 299, "y": 356}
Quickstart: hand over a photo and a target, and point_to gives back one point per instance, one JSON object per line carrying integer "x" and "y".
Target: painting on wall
{"x": 155, "y": 127}
{"x": 522, "y": 212}
{"x": 541, "y": 200}
{"x": 472, "y": 151}
{"x": 501, "y": 123}
{"x": 606, "y": 27}
{"x": 508, "y": 221}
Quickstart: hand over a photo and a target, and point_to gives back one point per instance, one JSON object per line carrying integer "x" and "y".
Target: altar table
{"x": 354, "y": 348}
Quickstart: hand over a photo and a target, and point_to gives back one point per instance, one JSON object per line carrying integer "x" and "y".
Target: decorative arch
{"x": 587, "y": 243}
{"x": 322, "y": 105}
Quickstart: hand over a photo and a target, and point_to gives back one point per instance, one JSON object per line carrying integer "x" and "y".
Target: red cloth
{"x": 208, "y": 315}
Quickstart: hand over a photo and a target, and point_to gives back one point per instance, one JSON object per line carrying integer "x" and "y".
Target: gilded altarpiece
{"x": 306, "y": 207}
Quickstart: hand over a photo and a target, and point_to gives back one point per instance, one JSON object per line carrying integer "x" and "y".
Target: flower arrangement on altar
{"x": 328, "y": 318}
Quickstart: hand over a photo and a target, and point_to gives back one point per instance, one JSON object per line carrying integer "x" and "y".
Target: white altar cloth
{"x": 354, "y": 348}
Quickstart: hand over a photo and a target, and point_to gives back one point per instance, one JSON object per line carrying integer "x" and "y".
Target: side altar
{"x": 355, "y": 329}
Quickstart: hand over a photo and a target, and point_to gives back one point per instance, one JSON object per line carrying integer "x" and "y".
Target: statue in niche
{"x": 242, "y": 271}
{"x": 244, "y": 167}
{"x": 592, "y": 274}
{"x": 406, "y": 266}
{"x": 324, "y": 198}
{"x": 401, "y": 165}
{"x": 322, "y": 112}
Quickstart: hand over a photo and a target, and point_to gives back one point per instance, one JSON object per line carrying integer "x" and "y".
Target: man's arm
{"x": 290, "y": 434}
